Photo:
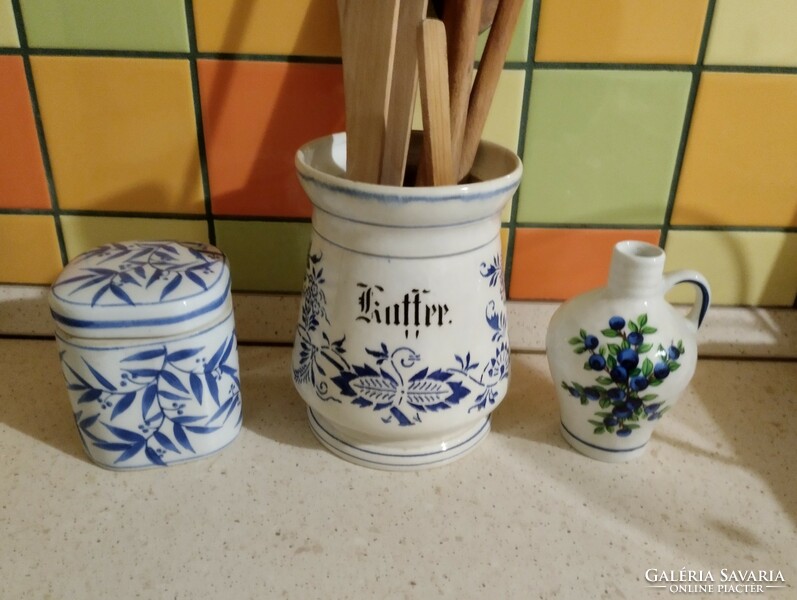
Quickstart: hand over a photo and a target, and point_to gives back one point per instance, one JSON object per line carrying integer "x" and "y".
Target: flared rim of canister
{"x": 138, "y": 289}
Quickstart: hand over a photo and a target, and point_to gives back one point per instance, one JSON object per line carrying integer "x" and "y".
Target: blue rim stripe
{"x": 444, "y": 454}
{"x": 128, "y": 323}
{"x": 403, "y": 198}
{"x": 616, "y": 450}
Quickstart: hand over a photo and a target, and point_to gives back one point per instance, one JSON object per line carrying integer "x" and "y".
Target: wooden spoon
{"x": 368, "y": 37}
{"x": 461, "y": 18}
{"x": 433, "y": 67}
{"x": 490, "y": 68}
{"x": 402, "y": 91}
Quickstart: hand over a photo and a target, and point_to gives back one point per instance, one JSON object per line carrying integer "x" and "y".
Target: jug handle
{"x": 703, "y": 298}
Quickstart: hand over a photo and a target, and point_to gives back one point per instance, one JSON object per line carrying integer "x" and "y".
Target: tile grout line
{"x": 687, "y": 124}
{"x": 40, "y": 135}
{"x": 521, "y": 143}
{"x": 200, "y": 127}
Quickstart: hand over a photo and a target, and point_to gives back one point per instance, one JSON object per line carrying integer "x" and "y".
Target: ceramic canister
{"x": 401, "y": 350}
{"x": 148, "y": 350}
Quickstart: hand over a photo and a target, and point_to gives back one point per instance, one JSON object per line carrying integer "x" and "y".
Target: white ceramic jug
{"x": 621, "y": 355}
{"x": 401, "y": 349}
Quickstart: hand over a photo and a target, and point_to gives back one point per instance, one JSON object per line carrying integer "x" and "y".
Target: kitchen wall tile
{"x": 601, "y": 146}
{"x": 296, "y": 27}
{"x": 740, "y": 166}
{"x": 106, "y": 24}
{"x": 622, "y": 31}
{"x": 265, "y": 256}
{"x": 8, "y": 26}
{"x": 256, "y": 115}
{"x": 753, "y": 33}
{"x": 82, "y": 233}
{"x": 556, "y": 264}
{"x": 742, "y": 267}
{"x": 22, "y": 180}
{"x": 30, "y": 246}
{"x": 519, "y": 46}
{"x": 121, "y": 133}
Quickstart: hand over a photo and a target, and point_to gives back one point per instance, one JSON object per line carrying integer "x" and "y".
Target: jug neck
{"x": 636, "y": 270}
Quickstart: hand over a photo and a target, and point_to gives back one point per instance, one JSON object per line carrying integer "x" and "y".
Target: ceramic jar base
{"x": 392, "y": 456}
{"x": 592, "y": 450}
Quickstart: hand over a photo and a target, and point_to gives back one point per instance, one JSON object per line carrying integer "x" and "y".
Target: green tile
{"x": 8, "y": 26}
{"x": 106, "y": 24}
{"x": 84, "y": 233}
{"x": 519, "y": 47}
{"x": 265, "y": 256}
{"x": 601, "y": 146}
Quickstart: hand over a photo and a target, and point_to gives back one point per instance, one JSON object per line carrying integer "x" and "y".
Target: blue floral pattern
{"x": 165, "y": 391}
{"x": 622, "y": 388}
{"x": 139, "y": 272}
{"x": 396, "y": 382}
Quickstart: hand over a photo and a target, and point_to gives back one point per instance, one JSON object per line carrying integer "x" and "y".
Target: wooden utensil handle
{"x": 490, "y": 68}
{"x": 433, "y": 71}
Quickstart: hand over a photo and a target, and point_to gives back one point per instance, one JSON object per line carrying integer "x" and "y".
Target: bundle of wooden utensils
{"x": 388, "y": 47}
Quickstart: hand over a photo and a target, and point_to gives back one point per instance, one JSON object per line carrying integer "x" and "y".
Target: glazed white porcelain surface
{"x": 401, "y": 351}
{"x": 621, "y": 355}
{"x": 158, "y": 399}
{"x": 141, "y": 289}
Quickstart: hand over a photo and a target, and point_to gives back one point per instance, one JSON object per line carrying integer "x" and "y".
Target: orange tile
{"x": 22, "y": 181}
{"x": 556, "y": 264}
{"x": 30, "y": 245}
{"x": 121, "y": 133}
{"x": 624, "y": 31}
{"x": 297, "y": 27}
{"x": 740, "y": 166}
{"x": 256, "y": 115}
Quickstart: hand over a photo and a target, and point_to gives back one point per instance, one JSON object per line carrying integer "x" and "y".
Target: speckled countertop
{"x": 523, "y": 516}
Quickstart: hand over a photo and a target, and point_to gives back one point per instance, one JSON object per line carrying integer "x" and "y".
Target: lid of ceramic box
{"x": 141, "y": 289}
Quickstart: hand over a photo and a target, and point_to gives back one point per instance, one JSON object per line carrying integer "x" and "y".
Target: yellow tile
{"x": 299, "y": 27}
{"x": 84, "y": 233}
{"x": 30, "y": 247}
{"x": 8, "y": 26}
{"x": 742, "y": 267}
{"x": 763, "y": 32}
{"x": 121, "y": 133}
{"x": 740, "y": 166}
{"x": 624, "y": 31}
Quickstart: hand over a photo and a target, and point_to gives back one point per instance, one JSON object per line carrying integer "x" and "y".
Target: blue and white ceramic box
{"x": 147, "y": 343}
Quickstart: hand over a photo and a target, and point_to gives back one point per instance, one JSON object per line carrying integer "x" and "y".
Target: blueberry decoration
{"x": 626, "y": 368}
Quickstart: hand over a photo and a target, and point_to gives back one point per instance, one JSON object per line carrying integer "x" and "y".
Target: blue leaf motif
{"x": 221, "y": 410}
{"x": 146, "y": 355}
{"x": 154, "y": 457}
{"x": 90, "y": 396}
{"x": 150, "y": 393}
{"x": 173, "y": 381}
{"x": 170, "y": 396}
{"x": 100, "y": 293}
{"x": 196, "y": 387}
{"x": 164, "y": 441}
{"x": 182, "y": 438}
{"x": 201, "y": 429}
{"x": 126, "y": 435}
{"x": 123, "y": 404}
{"x": 108, "y": 385}
{"x": 196, "y": 279}
{"x": 121, "y": 294}
{"x": 171, "y": 286}
{"x": 183, "y": 354}
{"x": 131, "y": 451}
{"x": 213, "y": 387}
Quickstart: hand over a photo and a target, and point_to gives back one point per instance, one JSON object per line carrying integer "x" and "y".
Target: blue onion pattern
{"x": 395, "y": 382}
{"x": 626, "y": 374}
